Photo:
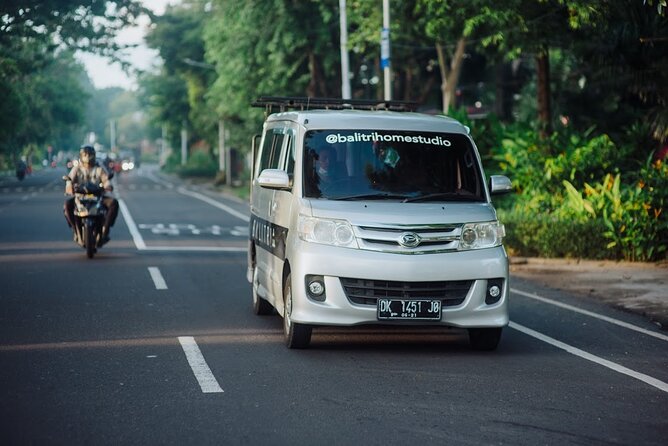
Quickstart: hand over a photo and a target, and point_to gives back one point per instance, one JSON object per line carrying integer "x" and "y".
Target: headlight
{"x": 327, "y": 232}
{"x": 481, "y": 235}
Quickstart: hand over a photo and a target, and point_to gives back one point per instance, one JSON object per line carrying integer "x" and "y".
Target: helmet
{"x": 87, "y": 155}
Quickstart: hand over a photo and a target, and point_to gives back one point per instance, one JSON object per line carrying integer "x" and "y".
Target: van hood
{"x": 361, "y": 213}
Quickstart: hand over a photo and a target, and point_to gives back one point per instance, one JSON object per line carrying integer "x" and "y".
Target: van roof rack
{"x": 283, "y": 103}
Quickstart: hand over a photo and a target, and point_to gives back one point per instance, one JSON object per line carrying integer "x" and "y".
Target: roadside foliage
{"x": 580, "y": 203}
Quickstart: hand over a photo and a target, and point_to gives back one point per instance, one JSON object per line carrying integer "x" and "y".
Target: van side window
{"x": 271, "y": 149}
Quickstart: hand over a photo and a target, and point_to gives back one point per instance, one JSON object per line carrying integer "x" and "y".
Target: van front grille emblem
{"x": 409, "y": 240}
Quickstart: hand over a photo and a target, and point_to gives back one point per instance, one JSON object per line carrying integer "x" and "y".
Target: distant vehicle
{"x": 127, "y": 161}
{"x": 127, "y": 165}
{"x": 363, "y": 213}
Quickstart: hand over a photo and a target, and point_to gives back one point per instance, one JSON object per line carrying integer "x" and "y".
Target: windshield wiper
{"x": 450, "y": 196}
{"x": 375, "y": 196}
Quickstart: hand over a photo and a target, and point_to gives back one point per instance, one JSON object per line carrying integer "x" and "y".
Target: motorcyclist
{"x": 21, "y": 169}
{"x": 88, "y": 170}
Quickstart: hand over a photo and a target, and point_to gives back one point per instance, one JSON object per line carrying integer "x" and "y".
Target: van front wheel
{"x": 296, "y": 335}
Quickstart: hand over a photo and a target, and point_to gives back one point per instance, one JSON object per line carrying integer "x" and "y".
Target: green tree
{"x": 98, "y": 112}
{"x": 42, "y": 84}
{"x": 176, "y": 95}
{"x": 270, "y": 47}
{"x": 166, "y": 101}
{"x": 412, "y": 51}
{"x": 89, "y": 25}
{"x": 45, "y": 108}
{"x": 624, "y": 60}
{"x": 454, "y": 26}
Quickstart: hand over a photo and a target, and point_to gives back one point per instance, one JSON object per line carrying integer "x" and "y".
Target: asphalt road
{"x": 154, "y": 342}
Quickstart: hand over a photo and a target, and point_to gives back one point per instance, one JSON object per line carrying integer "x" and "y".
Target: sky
{"x": 104, "y": 74}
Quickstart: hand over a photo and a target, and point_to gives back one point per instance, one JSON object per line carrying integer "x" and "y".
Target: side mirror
{"x": 274, "y": 179}
{"x": 499, "y": 185}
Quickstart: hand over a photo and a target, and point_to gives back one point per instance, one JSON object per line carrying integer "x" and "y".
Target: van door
{"x": 263, "y": 231}
{"x": 280, "y": 211}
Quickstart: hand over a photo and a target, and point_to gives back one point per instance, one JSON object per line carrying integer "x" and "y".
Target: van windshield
{"x": 408, "y": 166}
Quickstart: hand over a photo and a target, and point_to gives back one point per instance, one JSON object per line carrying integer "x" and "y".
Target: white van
{"x": 364, "y": 215}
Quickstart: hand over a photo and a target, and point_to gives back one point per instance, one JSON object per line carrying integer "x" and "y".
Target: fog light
{"x": 494, "y": 288}
{"x": 315, "y": 286}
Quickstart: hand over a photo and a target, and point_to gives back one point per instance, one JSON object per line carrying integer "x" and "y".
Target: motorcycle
{"x": 89, "y": 215}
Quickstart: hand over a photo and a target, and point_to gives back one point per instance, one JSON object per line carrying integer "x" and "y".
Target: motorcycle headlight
{"x": 481, "y": 235}
{"x": 326, "y": 231}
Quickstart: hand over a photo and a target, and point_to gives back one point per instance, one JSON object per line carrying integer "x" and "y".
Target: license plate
{"x": 409, "y": 309}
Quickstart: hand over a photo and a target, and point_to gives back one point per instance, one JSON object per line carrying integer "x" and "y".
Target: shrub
{"x": 577, "y": 203}
{"x": 549, "y": 235}
{"x": 199, "y": 164}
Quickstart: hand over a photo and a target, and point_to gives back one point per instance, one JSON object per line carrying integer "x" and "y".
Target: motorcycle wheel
{"x": 89, "y": 238}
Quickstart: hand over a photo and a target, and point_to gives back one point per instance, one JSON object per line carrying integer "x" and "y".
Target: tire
{"x": 260, "y": 306}
{"x": 89, "y": 240}
{"x": 296, "y": 335}
{"x": 485, "y": 339}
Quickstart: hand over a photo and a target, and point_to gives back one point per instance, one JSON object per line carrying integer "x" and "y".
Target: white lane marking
{"x": 214, "y": 203}
{"x": 136, "y": 236}
{"x": 141, "y": 245}
{"x": 158, "y": 280}
{"x": 593, "y": 358}
{"x": 199, "y": 366}
{"x": 591, "y": 314}
{"x": 202, "y": 197}
{"x": 196, "y": 248}
{"x": 152, "y": 177}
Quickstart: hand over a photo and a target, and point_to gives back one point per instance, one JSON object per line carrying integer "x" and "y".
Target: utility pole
{"x": 345, "y": 64}
{"x": 221, "y": 148}
{"x": 184, "y": 144}
{"x": 228, "y": 159}
{"x": 385, "y": 50}
{"x": 163, "y": 145}
{"x": 224, "y": 154}
{"x": 112, "y": 134}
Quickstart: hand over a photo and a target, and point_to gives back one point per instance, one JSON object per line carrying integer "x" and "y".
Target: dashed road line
{"x": 158, "y": 280}
{"x": 199, "y": 366}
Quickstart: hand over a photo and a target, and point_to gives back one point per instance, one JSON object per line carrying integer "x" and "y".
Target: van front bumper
{"x": 334, "y": 263}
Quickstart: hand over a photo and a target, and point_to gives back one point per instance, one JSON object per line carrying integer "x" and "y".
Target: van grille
{"x": 430, "y": 239}
{"x": 367, "y": 292}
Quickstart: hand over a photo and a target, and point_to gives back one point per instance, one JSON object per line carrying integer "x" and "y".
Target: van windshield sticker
{"x": 334, "y": 138}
